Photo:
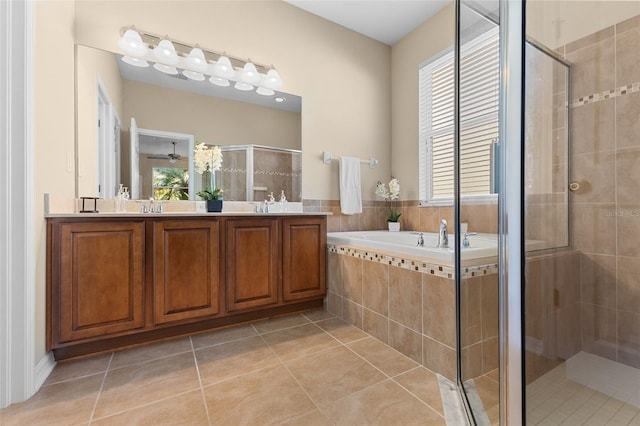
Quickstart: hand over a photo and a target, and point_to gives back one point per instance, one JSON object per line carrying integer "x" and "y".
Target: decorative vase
{"x": 214, "y": 206}
{"x": 394, "y": 226}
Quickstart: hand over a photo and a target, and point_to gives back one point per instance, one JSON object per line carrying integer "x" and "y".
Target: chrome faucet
{"x": 420, "y": 238}
{"x": 443, "y": 236}
{"x": 465, "y": 242}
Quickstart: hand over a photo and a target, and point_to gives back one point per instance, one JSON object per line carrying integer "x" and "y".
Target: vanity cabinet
{"x": 117, "y": 281}
{"x": 252, "y": 272}
{"x": 97, "y": 279}
{"x": 186, "y": 269}
{"x": 304, "y": 243}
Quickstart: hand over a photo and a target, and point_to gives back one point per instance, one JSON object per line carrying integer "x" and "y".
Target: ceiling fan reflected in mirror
{"x": 172, "y": 157}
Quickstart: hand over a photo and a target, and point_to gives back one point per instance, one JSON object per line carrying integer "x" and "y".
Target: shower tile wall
{"x": 605, "y": 216}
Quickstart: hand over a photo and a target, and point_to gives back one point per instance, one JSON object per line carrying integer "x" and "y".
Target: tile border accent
{"x": 425, "y": 267}
{"x": 607, "y": 94}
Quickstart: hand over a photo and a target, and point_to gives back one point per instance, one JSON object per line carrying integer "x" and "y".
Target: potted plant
{"x": 208, "y": 161}
{"x": 390, "y": 193}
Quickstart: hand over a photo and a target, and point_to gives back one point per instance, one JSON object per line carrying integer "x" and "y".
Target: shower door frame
{"x": 511, "y": 211}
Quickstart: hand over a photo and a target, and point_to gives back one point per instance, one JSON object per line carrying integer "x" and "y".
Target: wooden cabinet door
{"x": 303, "y": 258}
{"x": 100, "y": 281}
{"x": 252, "y": 266}
{"x": 186, "y": 274}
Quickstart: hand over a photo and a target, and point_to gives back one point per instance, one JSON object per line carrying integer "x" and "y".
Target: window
{"x": 170, "y": 183}
{"x": 478, "y": 120}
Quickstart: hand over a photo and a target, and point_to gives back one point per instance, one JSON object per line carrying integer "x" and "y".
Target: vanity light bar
{"x": 169, "y": 54}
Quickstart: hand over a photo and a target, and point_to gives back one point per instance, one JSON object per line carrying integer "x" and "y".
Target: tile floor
{"x": 303, "y": 369}
{"x": 553, "y": 399}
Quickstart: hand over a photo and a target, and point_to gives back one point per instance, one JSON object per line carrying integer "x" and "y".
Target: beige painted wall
{"x": 425, "y": 41}
{"x": 53, "y": 130}
{"x": 96, "y": 65}
{"x": 343, "y": 77}
{"x": 215, "y": 121}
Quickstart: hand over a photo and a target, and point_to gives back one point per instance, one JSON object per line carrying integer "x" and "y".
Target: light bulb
{"x": 196, "y": 60}
{"x": 222, "y": 82}
{"x": 167, "y": 69}
{"x": 223, "y": 68}
{"x": 131, "y": 43}
{"x": 245, "y": 87}
{"x": 272, "y": 80}
{"x": 193, "y": 75}
{"x": 264, "y": 91}
{"x": 136, "y": 62}
{"x": 249, "y": 74}
{"x": 166, "y": 52}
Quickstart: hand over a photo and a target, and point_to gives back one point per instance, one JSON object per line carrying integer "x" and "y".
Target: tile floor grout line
{"x": 282, "y": 363}
{"x": 282, "y": 329}
{"x": 410, "y": 392}
{"x": 104, "y": 379}
{"x": 225, "y": 342}
{"x": 146, "y": 404}
{"x": 204, "y": 398}
{"x": 151, "y": 360}
{"x": 370, "y": 363}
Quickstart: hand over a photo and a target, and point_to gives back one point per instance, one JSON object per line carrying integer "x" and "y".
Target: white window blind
{"x": 479, "y": 85}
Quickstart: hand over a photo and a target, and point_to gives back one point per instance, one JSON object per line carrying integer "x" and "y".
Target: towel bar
{"x": 372, "y": 161}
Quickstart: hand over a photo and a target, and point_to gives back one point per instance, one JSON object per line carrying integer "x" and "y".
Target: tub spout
{"x": 443, "y": 236}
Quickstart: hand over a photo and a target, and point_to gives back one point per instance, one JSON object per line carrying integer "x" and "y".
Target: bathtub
{"x": 481, "y": 246}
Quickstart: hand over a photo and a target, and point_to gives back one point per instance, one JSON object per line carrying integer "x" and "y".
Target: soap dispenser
{"x": 283, "y": 202}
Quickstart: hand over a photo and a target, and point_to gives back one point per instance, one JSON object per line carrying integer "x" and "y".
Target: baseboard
{"x": 43, "y": 369}
{"x": 609, "y": 377}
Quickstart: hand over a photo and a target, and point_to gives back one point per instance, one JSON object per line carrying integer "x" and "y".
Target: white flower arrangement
{"x": 390, "y": 192}
{"x": 208, "y": 160}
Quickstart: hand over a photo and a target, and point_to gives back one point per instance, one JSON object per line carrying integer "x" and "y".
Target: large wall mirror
{"x": 138, "y": 127}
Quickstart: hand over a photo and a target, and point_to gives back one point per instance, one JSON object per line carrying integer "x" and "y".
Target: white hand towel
{"x": 350, "y": 192}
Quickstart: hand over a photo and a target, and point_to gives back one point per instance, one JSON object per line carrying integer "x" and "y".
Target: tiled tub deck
{"x": 409, "y": 304}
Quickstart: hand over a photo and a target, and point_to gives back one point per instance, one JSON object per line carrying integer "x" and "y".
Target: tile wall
{"x": 480, "y": 217}
{"x": 605, "y": 214}
{"x": 410, "y": 305}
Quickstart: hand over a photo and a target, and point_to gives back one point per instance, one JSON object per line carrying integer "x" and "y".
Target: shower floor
{"x": 554, "y": 399}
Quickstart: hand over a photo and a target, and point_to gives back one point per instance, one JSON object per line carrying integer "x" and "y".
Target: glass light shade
{"x": 136, "y": 62}
{"x": 193, "y": 75}
{"x": 222, "y": 82}
{"x": 166, "y": 52}
{"x": 196, "y": 60}
{"x": 264, "y": 91}
{"x": 223, "y": 68}
{"x": 272, "y": 80}
{"x": 245, "y": 87}
{"x": 167, "y": 69}
{"x": 249, "y": 74}
{"x": 131, "y": 44}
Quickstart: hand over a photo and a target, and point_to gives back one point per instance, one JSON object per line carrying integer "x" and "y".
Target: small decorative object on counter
{"x": 284, "y": 206}
{"x": 390, "y": 195}
{"x": 207, "y": 161}
{"x": 214, "y": 206}
{"x": 89, "y": 205}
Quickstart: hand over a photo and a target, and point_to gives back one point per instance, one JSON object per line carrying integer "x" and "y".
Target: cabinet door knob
{"x": 574, "y": 186}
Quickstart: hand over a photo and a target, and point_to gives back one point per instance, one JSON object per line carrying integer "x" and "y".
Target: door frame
{"x": 19, "y": 378}
{"x": 193, "y": 185}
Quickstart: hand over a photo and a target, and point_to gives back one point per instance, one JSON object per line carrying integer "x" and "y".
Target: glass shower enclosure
{"x": 582, "y": 265}
{"x": 253, "y": 172}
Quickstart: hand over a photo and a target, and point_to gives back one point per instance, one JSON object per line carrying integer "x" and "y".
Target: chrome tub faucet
{"x": 443, "y": 235}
